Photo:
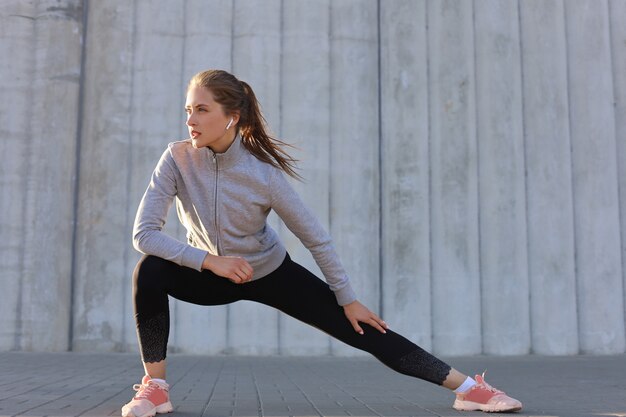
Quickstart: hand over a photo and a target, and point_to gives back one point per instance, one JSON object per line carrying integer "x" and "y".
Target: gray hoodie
{"x": 223, "y": 200}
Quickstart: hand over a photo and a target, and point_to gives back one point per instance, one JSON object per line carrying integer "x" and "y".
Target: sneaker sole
{"x": 487, "y": 408}
{"x": 161, "y": 409}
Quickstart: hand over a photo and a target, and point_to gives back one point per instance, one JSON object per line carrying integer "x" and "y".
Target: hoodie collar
{"x": 229, "y": 157}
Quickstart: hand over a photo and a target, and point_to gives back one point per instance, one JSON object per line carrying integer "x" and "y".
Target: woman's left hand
{"x": 357, "y": 312}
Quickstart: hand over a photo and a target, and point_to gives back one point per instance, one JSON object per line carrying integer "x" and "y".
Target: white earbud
{"x": 229, "y": 123}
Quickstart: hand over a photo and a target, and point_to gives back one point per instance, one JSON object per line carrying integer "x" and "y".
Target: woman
{"x": 225, "y": 180}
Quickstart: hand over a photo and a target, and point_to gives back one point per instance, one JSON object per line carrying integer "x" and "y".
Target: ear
{"x": 235, "y": 115}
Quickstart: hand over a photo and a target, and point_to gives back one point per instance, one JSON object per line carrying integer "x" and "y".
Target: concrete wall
{"x": 469, "y": 159}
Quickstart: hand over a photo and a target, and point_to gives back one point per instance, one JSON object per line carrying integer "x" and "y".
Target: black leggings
{"x": 291, "y": 288}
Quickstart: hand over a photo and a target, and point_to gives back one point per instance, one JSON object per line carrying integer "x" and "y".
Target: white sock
{"x": 158, "y": 380}
{"x": 465, "y": 386}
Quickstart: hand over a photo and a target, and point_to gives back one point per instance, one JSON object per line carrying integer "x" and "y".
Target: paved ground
{"x": 78, "y": 384}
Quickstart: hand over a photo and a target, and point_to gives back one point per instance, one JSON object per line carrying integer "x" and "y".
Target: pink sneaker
{"x": 484, "y": 397}
{"x": 151, "y": 398}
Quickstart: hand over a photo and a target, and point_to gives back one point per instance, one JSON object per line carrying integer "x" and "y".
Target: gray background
{"x": 468, "y": 157}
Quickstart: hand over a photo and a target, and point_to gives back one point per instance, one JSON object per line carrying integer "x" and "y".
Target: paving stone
{"x": 97, "y": 385}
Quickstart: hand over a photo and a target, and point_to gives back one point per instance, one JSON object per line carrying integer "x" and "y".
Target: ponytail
{"x": 253, "y": 128}
{"x": 237, "y": 96}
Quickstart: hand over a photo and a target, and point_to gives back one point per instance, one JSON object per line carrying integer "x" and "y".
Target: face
{"x": 207, "y": 122}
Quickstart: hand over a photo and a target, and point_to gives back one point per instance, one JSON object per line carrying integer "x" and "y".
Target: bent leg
{"x": 297, "y": 292}
{"x": 153, "y": 280}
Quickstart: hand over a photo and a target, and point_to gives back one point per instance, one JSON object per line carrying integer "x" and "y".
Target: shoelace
{"x": 144, "y": 391}
{"x": 488, "y": 387}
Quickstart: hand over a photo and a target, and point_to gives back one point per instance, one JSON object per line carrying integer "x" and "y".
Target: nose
{"x": 191, "y": 121}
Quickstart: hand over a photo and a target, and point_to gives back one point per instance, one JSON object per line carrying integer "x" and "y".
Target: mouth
{"x": 194, "y": 133}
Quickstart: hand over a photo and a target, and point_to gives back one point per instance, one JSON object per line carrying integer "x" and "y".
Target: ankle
{"x": 155, "y": 369}
{"x": 454, "y": 380}
{"x": 467, "y": 385}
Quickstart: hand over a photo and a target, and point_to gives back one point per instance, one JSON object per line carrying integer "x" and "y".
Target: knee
{"x": 147, "y": 272}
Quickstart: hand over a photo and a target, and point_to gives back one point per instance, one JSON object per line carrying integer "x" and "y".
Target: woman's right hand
{"x": 236, "y": 269}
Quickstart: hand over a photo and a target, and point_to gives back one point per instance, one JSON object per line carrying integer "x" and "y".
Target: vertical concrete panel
{"x": 157, "y": 82}
{"x": 17, "y": 33}
{"x": 153, "y": 94}
{"x": 253, "y": 328}
{"x": 208, "y": 38}
{"x": 49, "y": 190}
{"x": 404, "y": 155}
{"x": 503, "y": 255}
{"x": 103, "y": 234}
{"x": 354, "y": 189}
{"x": 454, "y": 185}
{"x": 305, "y": 122}
{"x": 550, "y": 221}
{"x": 201, "y": 329}
{"x": 617, "y": 15}
{"x": 208, "y": 44}
{"x": 596, "y": 202}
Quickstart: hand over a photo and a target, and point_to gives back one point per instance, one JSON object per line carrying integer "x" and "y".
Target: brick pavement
{"x": 94, "y": 385}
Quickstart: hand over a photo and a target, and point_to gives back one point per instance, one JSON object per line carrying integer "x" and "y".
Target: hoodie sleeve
{"x": 148, "y": 237}
{"x": 299, "y": 219}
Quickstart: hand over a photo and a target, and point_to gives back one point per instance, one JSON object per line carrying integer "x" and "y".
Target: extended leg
{"x": 295, "y": 291}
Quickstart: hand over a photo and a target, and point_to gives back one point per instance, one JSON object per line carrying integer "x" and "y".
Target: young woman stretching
{"x": 225, "y": 180}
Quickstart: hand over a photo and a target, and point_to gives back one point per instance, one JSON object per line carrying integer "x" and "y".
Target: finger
{"x": 242, "y": 263}
{"x": 242, "y": 278}
{"x": 235, "y": 278}
{"x": 243, "y": 270}
{"x": 380, "y": 321}
{"x": 243, "y": 273}
{"x": 376, "y": 325}
{"x": 248, "y": 270}
{"x": 356, "y": 326}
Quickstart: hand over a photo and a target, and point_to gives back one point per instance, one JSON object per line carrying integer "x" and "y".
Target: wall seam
{"x": 430, "y": 176}
{"x": 330, "y": 107}
{"x": 477, "y": 172}
{"x": 617, "y": 157}
{"x": 77, "y": 166}
{"x": 572, "y": 172}
{"x": 228, "y": 342}
{"x": 131, "y": 99}
{"x": 19, "y": 307}
{"x": 176, "y": 304}
{"x": 525, "y": 156}
{"x": 129, "y": 160}
{"x": 279, "y": 316}
{"x": 330, "y": 135}
{"x": 381, "y": 171}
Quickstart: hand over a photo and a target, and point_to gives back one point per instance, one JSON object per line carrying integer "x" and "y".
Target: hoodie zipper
{"x": 217, "y": 230}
